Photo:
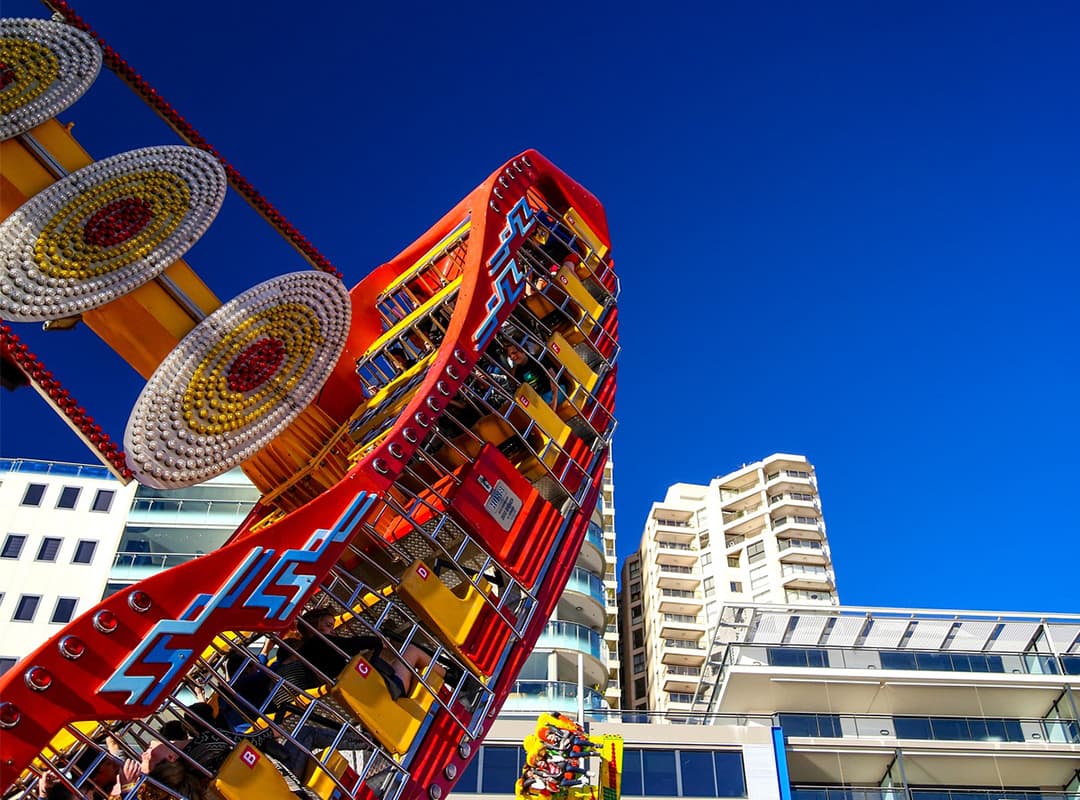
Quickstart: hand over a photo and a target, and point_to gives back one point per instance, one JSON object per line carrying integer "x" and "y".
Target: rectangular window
{"x": 6, "y": 664}
{"x": 709, "y": 585}
{"x": 736, "y": 586}
{"x": 733, "y": 561}
{"x": 796, "y": 657}
{"x": 65, "y": 609}
{"x": 658, "y": 767}
{"x": 84, "y": 552}
{"x": 26, "y": 608}
{"x": 639, "y": 687}
{"x": 696, "y": 767}
{"x": 755, "y": 552}
{"x": 13, "y": 545}
{"x": 50, "y": 546}
{"x": 639, "y": 662}
{"x": 69, "y": 496}
{"x": 103, "y": 500}
{"x": 639, "y": 639}
{"x": 34, "y": 493}
{"x": 500, "y": 768}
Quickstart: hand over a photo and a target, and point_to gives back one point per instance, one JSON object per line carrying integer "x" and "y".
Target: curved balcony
{"x": 592, "y": 551}
{"x": 186, "y": 513}
{"x": 572, "y": 636}
{"x": 534, "y": 696}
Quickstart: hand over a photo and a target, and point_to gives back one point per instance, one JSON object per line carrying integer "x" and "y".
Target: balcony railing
{"x": 594, "y": 535}
{"x": 572, "y": 636}
{"x": 536, "y": 696}
{"x": 788, "y": 473}
{"x": 690, "y": 618}
{"x": 801, "y": 544}
{"x": 191, "y": 511}
{"x": 925, "y": 728}
{"x": 678, "y": 593}
{"x": 152, "y": 560}
{"x": 675, "y": 546}
{"x": 54, "y": 468}
{"x": 676, "y": 570}
{"x": 694, "y": 672}
{"x": 807, "y": 570}
{"x": 584, "y": 582}
{"x": 684, "y": 644}
{"x": 937, "y": 793}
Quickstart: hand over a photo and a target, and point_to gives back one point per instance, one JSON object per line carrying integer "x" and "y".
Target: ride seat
{"x": 394, "y": 723}
{"x": 452, "y": 612}
{"x": 247, "y": 773}
{"x": 321, "y": 777}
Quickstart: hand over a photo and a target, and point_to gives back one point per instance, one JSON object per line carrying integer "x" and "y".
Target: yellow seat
{"x": 568, "y": 280}
{"x": 394, "y": 723}
{"x": 451, "y": 612}
{"x": 248, "y": 773}
{"x": 548, "y": 424}
{"x": 582, "y": 229}
{"x": 577, "y": 369}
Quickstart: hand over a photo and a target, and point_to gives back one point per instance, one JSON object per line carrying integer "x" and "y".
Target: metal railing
{"x": 225, "y": 511}
{"x": 936, "y": 793}
{"x": 684, "y": 644}
{"x": 152, "y": 560}
{"x": 55, "y": 468}
{"x": 927, "y": 728}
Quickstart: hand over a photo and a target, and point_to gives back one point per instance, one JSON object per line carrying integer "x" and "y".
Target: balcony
{"x": 132, "y": 566}
{"x": 675, "y": 530}
{"x": 936, "y": 793}
{"x": 536, "y": 696}
{"x": 560, "y": 635}
{"x": 802, "y": 551}
{"x": 678, "y": 601}
{"x": 682, "y": 578}
{"x": 807, "y": 527}
{"x": 796, "y": 480}
{"x": 747, "y": 521}
{"x": 592, "y": 551}
{"x": 681, "y": 679}
{"x": 679, "y": 554}
{"x": 811, "y": 577}
{"x": 684, "y": 652}
{"x": 680, "y": 626}
{"x": 190, "y": 513}
{"x": 940, "y": 729}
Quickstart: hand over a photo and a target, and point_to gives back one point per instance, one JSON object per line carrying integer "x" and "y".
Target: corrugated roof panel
{"x": 771, "y": 628}
{"x": 808, "y": 628}
{"x": 1014, "y": 637}
{"x": 886, "y": 632}
{"x": 971, "y": 635}
{"x": 928, "y": 634}
{"x": 846, "y": 631}
{"x": 1064, "y": 637}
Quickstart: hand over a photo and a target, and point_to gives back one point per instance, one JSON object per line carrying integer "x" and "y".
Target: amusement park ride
{"x": 423, "y": 496}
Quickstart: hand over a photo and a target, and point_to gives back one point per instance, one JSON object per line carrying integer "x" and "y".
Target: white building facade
{"x": 756, "y": 534}
{"x": 60, "y": 525}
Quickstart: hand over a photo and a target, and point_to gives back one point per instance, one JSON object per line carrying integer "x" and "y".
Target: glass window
{"x": 50, "y": 546}
{"x": 639, "y": 687}
{"x": 6, "y": 664}
{"x": 500, "y": 769}
{"x": 1071, "y": 665}
{"x": 736, "y": 586}
{"x": 894, "y": 660}
{"x": 796, "y": 657}
{"x": 658, "y": 767}
{"x": 26, "y": 608}
{"x": 696, "y": 768}
{"x": 631, "y": 780}
{"x": 34, "y": 493}
{"x": 730, "y": 781}
{"x": 65, "y": 609}
{"x": 13, "y": 545}
{"x": 69, "y": 496}
{"x": 639, "y": 639}
{"x": 912, "y": 728}
{"x": 84, "y": 552}
{"x": 103, "y": 500}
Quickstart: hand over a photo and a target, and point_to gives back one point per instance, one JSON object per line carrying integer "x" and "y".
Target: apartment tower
{"x": 754, "y": 535}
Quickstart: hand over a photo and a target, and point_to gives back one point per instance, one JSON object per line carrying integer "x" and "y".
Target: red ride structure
{"x": 429, "y": 446}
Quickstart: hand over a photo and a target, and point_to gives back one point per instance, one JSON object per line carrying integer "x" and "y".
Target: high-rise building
{"x": 575, "y": 665}
{"x": 60, "y": 525}
{"x": 756, "y": 535}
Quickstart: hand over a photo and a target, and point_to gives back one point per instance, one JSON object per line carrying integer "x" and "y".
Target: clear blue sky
{"x": 848, "y": 230}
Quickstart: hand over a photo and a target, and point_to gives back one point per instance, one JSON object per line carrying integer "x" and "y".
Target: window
{"x": 755, "y": 552}
{"x": 84, "y": 552}
{"x": 500, "y": 768}
{"x": 639, "y": 639}
{"x": 635, "y": 613}
{"x": 50, "y": 546}
{"x": 69, "y": 496}
{"x": 103, "y": 500}
{"x": 6, "y": 664}
{"x": 26, "y": 608}
{"x": 796, "y": 657}
{"x": 733, "y": 561}
{"x": 13, "y": 545}
{"x": 34, "y": 493}
{"x": 683, "y": 773}
{"x": 65, "y": 609}
{"x": 736, "y": 586}
{"x": 658, "y": 767}
{"x": 811, "y": 725}
{"x": 639, "y": 688}
{"x": 639, "y": 662}
{"x": 709, "y": 585}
